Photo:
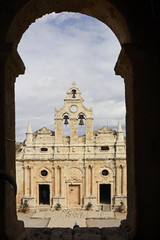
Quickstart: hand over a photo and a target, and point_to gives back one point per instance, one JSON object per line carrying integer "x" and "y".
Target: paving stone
{"x": 101, "y": 223}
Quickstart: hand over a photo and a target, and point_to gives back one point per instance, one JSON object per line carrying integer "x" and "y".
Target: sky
{"x": 57, "y": 50}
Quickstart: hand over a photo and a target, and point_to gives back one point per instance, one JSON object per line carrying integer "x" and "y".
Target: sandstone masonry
{"x": 72, "y": 170}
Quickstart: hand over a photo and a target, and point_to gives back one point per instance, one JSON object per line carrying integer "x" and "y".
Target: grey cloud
{"x": 58, "y": 51}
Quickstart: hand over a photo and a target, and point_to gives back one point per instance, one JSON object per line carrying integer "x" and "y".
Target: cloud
{"x": 57, "y": 50}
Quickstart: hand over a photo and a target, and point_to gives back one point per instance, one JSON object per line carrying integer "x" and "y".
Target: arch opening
{"x": 17, "y": 34}
{"x": 74, "y": 149}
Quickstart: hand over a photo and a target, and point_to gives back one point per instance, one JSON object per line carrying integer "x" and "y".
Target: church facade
{"x": 72, "y": 170}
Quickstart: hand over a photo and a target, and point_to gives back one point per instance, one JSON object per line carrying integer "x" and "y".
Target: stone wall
{"x": 136, "y": 25}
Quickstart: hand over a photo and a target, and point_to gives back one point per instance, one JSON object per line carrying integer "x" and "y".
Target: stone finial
{"x": 29, "y": 136}
{"x": 73, "y": 84}
{"x": 119, "y": 133}
{"x": 119, "y": 128}
{"x": 29, "y": 129}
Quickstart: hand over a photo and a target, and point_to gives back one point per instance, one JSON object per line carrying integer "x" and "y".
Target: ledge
{"x": 72, "y": 234}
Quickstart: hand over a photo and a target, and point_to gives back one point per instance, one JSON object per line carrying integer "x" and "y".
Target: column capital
{"x": 27, "y": 166}
{"x": 91, "y": 166}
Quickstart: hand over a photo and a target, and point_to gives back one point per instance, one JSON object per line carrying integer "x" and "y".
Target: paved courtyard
{"x": 68, "y": 218}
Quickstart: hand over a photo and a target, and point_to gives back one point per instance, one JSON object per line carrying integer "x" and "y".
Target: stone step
{"x": 106, "y": 207}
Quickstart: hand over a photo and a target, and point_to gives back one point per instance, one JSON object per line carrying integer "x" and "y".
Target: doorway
{"x": 74, "y": 194}
{"x": 44, "y": 194}
{"x": 105, "y": 193}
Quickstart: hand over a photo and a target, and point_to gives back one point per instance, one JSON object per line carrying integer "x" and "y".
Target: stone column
{"x": 62, "y": 183}
{"x": 28, "y": 180}
{"x": 117, "y": 181}
{"x": 124, "y": 181}
{"x": 31, "y": 181}
{"x": 25, "y": 181}
{"x": 55, "y": 181}
{"x": 84, "y": 184}
{"x": 92, "y": 181}
{"x": 24, "y": 173}
{"x": 86, "y": 181}
{"x": 98, "y": 191}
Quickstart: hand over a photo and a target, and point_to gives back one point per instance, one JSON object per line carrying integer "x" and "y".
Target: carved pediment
{"x": 104, "y": 130}
{"x": 44, "y": 131}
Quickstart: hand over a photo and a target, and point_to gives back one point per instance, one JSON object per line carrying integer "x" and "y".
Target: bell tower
{"x": 73, "y": 112}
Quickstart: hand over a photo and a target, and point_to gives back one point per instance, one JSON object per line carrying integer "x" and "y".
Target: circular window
{"x": 44, "y": 173}
{"x": 73, "y": 108}
{"x": 105, "y": 172}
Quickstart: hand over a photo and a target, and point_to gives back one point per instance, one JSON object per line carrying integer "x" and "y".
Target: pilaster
{"x": 55, "y": 182}
{"x": 86, "y": 181}
{"x": 62, "y": 181}
{"x": 124, "y": 180}
{"x": 89, "y": 130}
{"x": 117, "y": 181}
{"x": 58, "y": 130}
{"x": 73, "y": 131}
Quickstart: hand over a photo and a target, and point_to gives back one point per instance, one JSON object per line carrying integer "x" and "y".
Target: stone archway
{"x": 21, "y": 16}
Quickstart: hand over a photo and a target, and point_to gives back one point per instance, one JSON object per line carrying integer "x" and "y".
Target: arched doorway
{"x": 109, "y": 15}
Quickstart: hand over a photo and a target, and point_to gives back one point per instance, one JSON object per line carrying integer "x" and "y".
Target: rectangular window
{"x": 104, "y": 148}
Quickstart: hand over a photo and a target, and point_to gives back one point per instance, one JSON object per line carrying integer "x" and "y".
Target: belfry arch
{"x": 136, "y": 64}
{"x": 77, "y": 113}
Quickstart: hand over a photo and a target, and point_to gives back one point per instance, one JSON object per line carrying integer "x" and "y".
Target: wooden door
{"x": 74, "y": 194}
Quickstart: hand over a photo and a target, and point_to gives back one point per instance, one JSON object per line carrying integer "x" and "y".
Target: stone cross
{"x": 73, "y": 84}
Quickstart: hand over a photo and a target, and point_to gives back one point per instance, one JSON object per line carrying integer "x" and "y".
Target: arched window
{"x": 81, "y": 124}
{"x": 66, "y": 124}
{"x": 74, "y": 93}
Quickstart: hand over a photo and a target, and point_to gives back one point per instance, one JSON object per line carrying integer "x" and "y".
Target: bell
{"x": 81, "y": 122}
{"x": 73, "y": 93}
{"x": 66, "y": 119}
{"x": 81, "y": 117}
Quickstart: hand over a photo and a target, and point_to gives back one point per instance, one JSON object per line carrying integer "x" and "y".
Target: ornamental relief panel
{"x": 74, "y": 175}
{"x": 104, "y": 174}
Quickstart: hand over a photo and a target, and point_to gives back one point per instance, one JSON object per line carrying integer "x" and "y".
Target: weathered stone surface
{"x": 61, "y": 233}
{"x": 69, "y": 234}
{"x": 111, "y": 234}
{"x": 86, "y": 234}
